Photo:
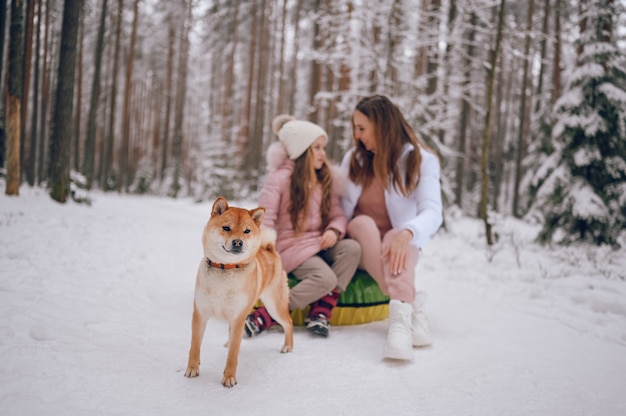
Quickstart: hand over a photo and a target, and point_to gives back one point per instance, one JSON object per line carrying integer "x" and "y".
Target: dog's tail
{"x": 268, "y": 239}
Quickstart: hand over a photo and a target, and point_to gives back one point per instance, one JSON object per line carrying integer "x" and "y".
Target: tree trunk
{"x": 125, "y": 174}
{"x": 179, "y": 111}
{"x": 291, "y": 91}
{"x": 26, "y": 68}
{"x": 315, "y": 79}
{"x": 168, "y": 98}
{"x": 227, "y": 104}
{"x": 109, "y": 140}
{"x": 452, "y": 13}
{"x": 32, "y": 163}
{"x": 465, "y": 110}
{"x": 3, "y": 20}
{"x": 282, "y": 75}
{"x": 254, "y": 154}
{"x": 75, "y": 156}
{"x": 420, "y": 62}
{"x": 498, "y": 151}
{"x": 521, "y": 142}
{"x": 61, "y": 134}
{"x": 393, "y": 40}
{"x": 242, "y": 144}
{"x": 484, "y": 161}
{"x": 556, "y": 66}
{"x": 90, "y": 140}
{"x": 432, "y": 57}
{"x": 16, "y": 55}
{"x": 542, "y": 61}
{"x": 42, "y": 166}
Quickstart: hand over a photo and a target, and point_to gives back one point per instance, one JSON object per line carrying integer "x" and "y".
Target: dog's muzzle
{"x": 236, "y": 246}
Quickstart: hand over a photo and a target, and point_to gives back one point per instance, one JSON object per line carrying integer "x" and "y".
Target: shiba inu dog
{"x": 240, "y": 266}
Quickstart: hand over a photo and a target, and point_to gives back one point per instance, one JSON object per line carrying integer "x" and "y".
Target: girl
{"x": 302, "y": 205}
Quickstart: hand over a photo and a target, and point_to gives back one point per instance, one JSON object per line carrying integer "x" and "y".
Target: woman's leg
{"x": 363, "y": 229}
{"x": 402, "y": 286}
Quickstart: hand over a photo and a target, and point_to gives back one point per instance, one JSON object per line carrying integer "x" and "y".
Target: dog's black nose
{"x": 237, "y": 245}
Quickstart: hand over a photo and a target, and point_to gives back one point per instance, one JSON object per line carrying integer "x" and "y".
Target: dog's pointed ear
{"x": 219, "y": 206}
{"x": 257, "y": 215}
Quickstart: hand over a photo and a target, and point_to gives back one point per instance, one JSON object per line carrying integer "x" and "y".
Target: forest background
{"x": 525, "y": 101}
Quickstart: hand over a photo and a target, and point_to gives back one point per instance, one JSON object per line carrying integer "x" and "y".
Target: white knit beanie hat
{"x": 296, "y": 135}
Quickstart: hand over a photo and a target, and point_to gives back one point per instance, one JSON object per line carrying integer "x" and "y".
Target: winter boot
{"x": 419, "y": 323}
{"x": 258, "y": 321}
{"x": 318, "y": 320}
{"x": 399, "y": 334}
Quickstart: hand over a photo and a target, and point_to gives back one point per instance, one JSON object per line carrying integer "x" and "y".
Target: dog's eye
{"x": 226, "y": 228}
{"x": 246, "y": 231}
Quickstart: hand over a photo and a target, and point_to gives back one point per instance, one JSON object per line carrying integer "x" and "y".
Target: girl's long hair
{"x": 303, "y": 182}
{"x": 391, "y": 133}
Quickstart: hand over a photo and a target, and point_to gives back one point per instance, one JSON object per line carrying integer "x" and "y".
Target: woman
{"x": 393, "y": 201}
{"x": 302, "y": 205}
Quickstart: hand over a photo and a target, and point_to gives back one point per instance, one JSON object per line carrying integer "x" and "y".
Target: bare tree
{"x": 465, "y": 110}
{"x": 255, "y": 142}
{"x": 168, "y": 97}
{"x": 179, "y": 111}
{"x": 125, "y": 169}
{"x": 521, "y": 134}
{"x": 75, "y": 155}
{"x": 231, "y": 52}
{"x": 90, "y": 140}
{"x": 32, "y": 161}
{"x": 26, "y": 67}
{"x": 556, "y": 66}
{"x": 42, "y": 167}
{"x": 16, "y": 56}
{"x": 108, "y": 145}
{"x": 61, "y": 132}
{"x": 484, "y": 161}
{"x": 3, "y": 19}
{"x": 542, "y": 48}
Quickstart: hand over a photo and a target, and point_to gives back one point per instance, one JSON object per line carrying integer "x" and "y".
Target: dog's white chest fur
{"x": 220, "y": 293}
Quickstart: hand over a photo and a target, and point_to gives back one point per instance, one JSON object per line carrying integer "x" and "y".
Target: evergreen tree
{"x": 581, "y": 187}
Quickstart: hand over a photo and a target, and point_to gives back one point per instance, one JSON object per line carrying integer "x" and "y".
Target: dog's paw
{"x": 192, "y": 371}
{"x": 229, "y": 381}
{"x": 286, "y": 348}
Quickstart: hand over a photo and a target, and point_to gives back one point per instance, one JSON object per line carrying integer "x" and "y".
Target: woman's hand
{"x": 397, "y": 251}
{"x": 329, "y": 239}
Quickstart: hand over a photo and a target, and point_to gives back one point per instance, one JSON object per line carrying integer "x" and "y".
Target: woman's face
{"x": 318, "y": 147}
{"x": 364, "y": 130}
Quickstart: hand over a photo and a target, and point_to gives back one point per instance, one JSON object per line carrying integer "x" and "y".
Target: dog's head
{"x": 232, "y": 235}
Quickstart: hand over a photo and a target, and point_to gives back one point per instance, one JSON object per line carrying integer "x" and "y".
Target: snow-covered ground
{"x": 96, "y": 301}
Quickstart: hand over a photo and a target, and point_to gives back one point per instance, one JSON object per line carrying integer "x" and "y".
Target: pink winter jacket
{"x": 274, "y": 197}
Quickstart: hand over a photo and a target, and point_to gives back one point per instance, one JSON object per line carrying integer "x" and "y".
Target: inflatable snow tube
{"x": 360, "y": 303}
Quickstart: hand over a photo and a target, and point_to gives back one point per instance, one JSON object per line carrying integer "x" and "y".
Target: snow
{"x": 96, "y": 308}
{"x": 586, "y": 203}
{"x": 615, "y": 94}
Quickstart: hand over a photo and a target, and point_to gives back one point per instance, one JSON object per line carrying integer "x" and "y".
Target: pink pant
{"x": 399, "y": 287}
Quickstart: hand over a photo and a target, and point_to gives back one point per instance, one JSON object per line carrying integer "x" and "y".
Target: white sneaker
{"x": 398, "y": 344}
{"x": 420, "y": 333}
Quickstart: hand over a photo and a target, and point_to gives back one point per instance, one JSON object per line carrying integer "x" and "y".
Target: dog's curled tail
{"x": 268, "y": 239}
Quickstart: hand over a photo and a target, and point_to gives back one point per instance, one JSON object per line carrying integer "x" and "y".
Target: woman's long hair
{"x": 304, "y": 180}
{"x": 391, "y": 133}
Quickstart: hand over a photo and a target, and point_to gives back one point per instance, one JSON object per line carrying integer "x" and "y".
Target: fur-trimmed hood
{"x": 276, "y": 155}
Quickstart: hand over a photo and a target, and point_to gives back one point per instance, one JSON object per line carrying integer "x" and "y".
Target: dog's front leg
{"x": 236, "y": 329}
{"x": 198, "y": 326}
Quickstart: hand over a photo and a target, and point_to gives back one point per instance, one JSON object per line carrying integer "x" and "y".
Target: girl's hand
{"x": 329, "y": 239}
{"x": 397, "y": 252}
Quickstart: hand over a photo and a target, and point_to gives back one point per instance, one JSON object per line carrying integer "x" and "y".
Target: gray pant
{"x": 329, "y": 269}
